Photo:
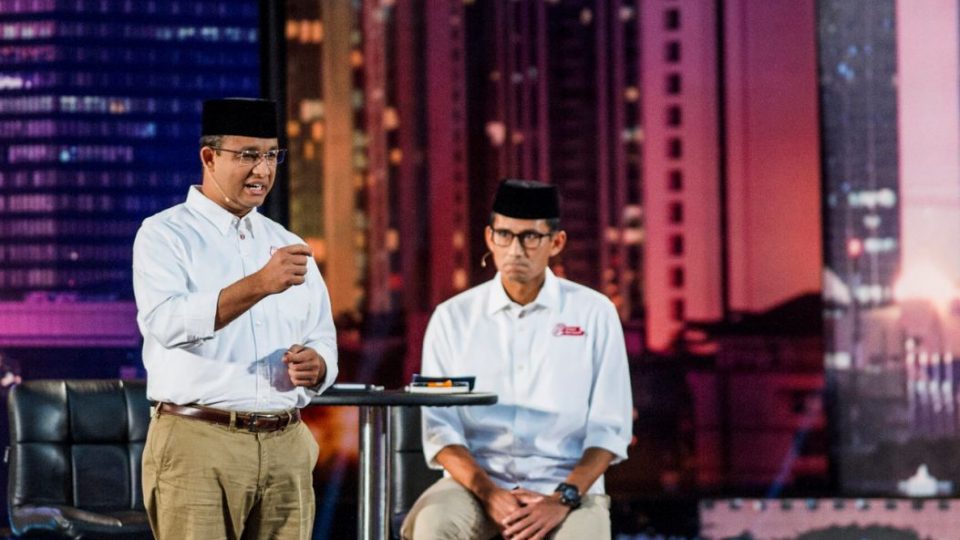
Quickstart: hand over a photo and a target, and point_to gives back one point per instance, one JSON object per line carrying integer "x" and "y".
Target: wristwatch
{"x": 569, "y": 495}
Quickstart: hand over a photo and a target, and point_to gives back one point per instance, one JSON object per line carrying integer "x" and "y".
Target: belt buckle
{"x": 252, "y": 422}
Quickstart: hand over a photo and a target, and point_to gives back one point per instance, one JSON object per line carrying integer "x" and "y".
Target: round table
{"x": 373, "y": 504}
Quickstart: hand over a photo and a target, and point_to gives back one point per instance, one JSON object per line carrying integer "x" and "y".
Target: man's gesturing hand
{"x": 304, "y": 366}
{"x": 286, "y": 268}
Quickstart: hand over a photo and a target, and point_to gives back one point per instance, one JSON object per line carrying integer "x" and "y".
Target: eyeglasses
{"x": 252, "y": 157}
{"x": 528, "y": 239}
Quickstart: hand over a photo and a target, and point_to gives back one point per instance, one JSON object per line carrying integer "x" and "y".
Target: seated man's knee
{"x": 444, "y": 514}
{"x": 434, "y": 522}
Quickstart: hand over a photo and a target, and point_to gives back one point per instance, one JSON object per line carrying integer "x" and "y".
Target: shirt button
{"x": 242, "y": 237}
{"x": 258, "y": 323}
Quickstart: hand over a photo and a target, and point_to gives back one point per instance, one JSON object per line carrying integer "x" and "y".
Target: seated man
{"x": 531, "y": 466}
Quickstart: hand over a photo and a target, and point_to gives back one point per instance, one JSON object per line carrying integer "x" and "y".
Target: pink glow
{"x": 773, "y": 162}
{"x": 929, "y": 134}
{"x": 85, "y": 324}
{"x": 924, "y": 282}
{"x": 769, "y": 519}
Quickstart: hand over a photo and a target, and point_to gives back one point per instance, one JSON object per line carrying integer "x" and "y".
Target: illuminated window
{"x": 93, "y": 128}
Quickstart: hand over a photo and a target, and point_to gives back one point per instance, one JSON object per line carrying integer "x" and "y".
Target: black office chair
{"x": 410, "y": 475}
{"x": 74, "y": 459}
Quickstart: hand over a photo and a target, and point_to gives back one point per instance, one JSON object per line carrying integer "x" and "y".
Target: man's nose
{"x": 516, "y": 246}
{"x": 261, "y": 168}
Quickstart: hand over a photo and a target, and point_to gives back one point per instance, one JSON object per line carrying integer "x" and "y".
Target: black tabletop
{"x": 387, "y": 398}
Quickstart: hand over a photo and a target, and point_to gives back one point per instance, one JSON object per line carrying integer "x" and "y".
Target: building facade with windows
{"x": 99, "y": 121}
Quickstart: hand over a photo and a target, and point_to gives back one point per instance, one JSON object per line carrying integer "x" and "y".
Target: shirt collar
{"x": 213, "y": 212}
{"x": 548, "y": 297}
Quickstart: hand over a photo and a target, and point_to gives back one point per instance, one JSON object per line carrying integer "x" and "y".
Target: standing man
{"x": 531, "y": 466}
{"x": 238, "y": 335}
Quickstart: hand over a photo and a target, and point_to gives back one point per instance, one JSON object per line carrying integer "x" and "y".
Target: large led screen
{"x": 99, "y": 123}
{"x": 889, "y": 74}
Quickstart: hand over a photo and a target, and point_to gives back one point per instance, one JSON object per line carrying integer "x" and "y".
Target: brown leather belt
{"x": 253, "y": 422}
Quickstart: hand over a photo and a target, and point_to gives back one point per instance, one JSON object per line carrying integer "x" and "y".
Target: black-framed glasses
{"x": 252, "y": 157}
{"x": 528, "y": 239}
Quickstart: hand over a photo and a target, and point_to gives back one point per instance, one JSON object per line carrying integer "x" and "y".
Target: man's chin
{"x": 516, "y": 276}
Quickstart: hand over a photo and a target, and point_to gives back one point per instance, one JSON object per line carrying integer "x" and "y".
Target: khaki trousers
{"x": 208, "y": 482}
{"x": 446, "y": 510}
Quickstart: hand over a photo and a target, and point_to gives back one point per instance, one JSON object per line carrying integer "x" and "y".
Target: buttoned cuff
{"x": 199, "y": 315}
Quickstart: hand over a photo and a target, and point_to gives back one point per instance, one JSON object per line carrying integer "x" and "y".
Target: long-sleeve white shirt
{"x": 559, "y": 367}
{"x": 182, "y": 258}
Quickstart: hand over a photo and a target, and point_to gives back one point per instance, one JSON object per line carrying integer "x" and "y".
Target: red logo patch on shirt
{"x": 564, "y": 330}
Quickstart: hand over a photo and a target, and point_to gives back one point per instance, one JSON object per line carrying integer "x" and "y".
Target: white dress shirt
{"x": 182, "y": 258}
{"x": 559, "y": 367}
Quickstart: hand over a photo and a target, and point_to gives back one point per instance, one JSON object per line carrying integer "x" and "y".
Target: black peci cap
{"x": 527, "y": 199}
{"x": 247, "y": 117}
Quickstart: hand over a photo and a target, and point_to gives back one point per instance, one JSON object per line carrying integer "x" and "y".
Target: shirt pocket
{"x": 292, "y": 312}
{"x": 566, "y": 370}
{"x": 213, "y": 271}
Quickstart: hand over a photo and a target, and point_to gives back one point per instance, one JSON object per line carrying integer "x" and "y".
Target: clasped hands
{"x": 522, "y": 514}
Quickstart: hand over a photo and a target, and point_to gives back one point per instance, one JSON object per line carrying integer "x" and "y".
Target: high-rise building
{"x": 557, "y": 99}
{"x": 325, "y": 63}
{"x": 731, "y": 215}
{"x": 372, "y": 86}
{"x": 728, "y": 213}
{"x": 731, "y": 192}
{"x": 682, "y": 206}
{"x": 858, "y": 67}
{"x": 99, "y": 122}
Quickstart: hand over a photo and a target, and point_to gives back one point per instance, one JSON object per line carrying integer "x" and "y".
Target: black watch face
{"x": 569, "y": 495}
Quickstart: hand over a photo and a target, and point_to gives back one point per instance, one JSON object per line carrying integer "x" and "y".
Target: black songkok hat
{"x": 246, "y": 117}
{"x": 527, "y": 199}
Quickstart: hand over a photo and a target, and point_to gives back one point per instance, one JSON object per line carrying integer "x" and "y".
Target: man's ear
{"x": 557, "y": 242}
{"x": 487, "y": 235}
{"x": 206, "y": 157}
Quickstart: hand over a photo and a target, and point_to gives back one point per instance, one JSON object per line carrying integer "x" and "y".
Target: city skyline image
{"x": 768, "y": 191}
